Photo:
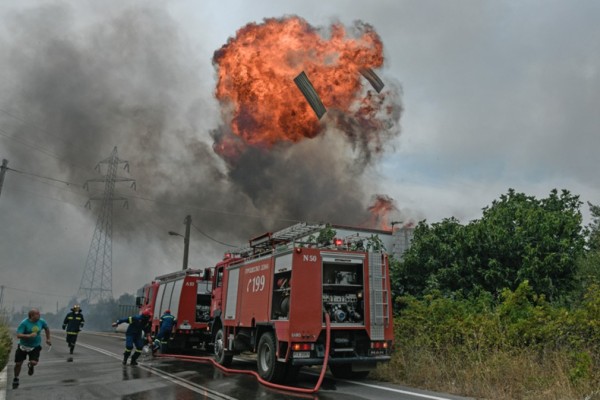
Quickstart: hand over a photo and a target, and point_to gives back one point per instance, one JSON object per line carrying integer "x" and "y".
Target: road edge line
{"x": 3, "y": 382}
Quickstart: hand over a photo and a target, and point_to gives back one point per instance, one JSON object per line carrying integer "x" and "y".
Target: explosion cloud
{"x": 261, "y": 105}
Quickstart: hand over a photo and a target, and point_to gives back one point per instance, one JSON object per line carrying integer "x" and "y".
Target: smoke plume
{"x": 128, "y": 78}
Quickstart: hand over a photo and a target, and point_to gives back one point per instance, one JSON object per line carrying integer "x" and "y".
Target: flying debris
{"x": 310, "y": 94}
{"x": 373, "y": 79}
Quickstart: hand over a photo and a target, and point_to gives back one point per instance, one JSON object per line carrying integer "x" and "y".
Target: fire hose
{"x": 256, "y": 375}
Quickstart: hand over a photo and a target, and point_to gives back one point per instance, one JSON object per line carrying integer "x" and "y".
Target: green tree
{"x": 594, "y": 228}
{"x": 535, "y": 240}
{"x": 589, "y": 264}
{"x": 126, "y": 298}
{"x": 518, "y": 238}
{"x": 430, "y": 257}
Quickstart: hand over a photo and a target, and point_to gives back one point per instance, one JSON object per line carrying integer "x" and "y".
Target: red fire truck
{"x": 187, "y": 293}
{"x": 270, "y": 298}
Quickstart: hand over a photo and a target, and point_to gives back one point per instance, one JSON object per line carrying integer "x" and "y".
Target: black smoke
{"x": 127, "y": 77}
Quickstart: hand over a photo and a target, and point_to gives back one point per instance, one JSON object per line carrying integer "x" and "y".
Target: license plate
{"x": 301, "y": 354}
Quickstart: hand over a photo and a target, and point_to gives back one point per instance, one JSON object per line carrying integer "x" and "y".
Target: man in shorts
{"x": 30, "y": 343}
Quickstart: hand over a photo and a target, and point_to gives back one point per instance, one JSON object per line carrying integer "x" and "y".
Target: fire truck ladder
{"x": 380, "y": 308}
{"x": 287, "y": 235}
{"x": 297, "y": 231}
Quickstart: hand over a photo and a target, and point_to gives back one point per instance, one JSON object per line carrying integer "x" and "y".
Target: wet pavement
{"x": 91, "y": 375}
{"x": 96, "y": 372}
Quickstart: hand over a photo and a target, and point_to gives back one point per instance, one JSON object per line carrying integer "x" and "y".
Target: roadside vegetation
{"x": 504, "y": 307}
{"x": 5, "y": 344}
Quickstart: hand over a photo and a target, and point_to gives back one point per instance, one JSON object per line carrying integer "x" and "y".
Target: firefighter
{"x": 167, "y": 322}
{"x": 138, "y": 325}
{"x": 73, "y": 323}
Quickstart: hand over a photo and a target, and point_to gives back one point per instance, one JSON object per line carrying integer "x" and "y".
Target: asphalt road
{"x": 96, "y": 373}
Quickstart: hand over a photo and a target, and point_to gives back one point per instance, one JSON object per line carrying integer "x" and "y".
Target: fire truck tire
{"x": 268, "y": 367}
{"x": 344, "y": 371}
{"x": 221, "y": 356}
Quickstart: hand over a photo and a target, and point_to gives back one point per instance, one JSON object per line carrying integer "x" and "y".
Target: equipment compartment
{"x": 343, "y": 291}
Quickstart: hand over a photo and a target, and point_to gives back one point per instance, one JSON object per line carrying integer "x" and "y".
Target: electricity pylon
{"x": 96, "y": 282}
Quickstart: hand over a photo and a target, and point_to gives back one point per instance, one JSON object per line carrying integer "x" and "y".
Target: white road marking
{"x": 209, "y": 393}
{"x": 425, "y": 396}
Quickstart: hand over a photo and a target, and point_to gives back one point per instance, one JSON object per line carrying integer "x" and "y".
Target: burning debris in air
{"x": 311, "y": 95}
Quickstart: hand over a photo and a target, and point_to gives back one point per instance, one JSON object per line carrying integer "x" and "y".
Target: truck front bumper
{"x": 341, "y": 360}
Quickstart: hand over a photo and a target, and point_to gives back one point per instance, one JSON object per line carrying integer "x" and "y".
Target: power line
{"x": 213, "y": 239}
{"x": 43, "y": 177}
{"x": 20, "y": 189}
{"x": 40, "y": 149}
{"x": 36, "y": 292}
{"x": 209, "y": 210}
{"x": 37, "y": 127}
{"x": 26, "y": 144}
{"x": 177, "y": 205}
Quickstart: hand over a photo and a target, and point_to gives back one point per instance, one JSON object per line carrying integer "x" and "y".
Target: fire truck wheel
{"x": 220, "y": 354}
{"x": 268, "y": 367}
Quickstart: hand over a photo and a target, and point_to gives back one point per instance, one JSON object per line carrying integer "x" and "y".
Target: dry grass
{"x": 500, "y": 376}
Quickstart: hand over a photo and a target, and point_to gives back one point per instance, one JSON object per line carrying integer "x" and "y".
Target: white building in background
{"x": 402, "y": 237}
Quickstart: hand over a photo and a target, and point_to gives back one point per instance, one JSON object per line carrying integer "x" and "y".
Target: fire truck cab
{"x": 187, "y": 294}
{"x": 271, "y": 298}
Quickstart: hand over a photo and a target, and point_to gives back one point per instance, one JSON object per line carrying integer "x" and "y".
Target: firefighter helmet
{"x": 76, "y": 307}
{"x": 167, "y": 311}
{"x": 147, "y": 314}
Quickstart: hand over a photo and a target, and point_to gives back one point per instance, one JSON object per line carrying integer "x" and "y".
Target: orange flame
{"x": 380, "y": 211}
{"x": 256, "y": 71}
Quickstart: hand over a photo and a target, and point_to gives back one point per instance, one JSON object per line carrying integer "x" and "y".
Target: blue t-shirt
{"x": 26, "y": 327}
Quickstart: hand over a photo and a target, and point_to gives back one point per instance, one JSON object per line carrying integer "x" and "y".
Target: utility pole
{"x": 186, "y": 240}
{"x": 3, "y": 169}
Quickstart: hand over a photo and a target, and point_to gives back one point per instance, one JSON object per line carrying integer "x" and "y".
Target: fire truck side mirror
{"x": 206, "y": 274}
{"x": 138, "y": 301}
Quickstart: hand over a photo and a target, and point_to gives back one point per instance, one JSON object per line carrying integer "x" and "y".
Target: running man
{"x": 30, "y": 343}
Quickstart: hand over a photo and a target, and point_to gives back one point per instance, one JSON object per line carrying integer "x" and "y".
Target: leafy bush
{"x": 5, "y": 345}
{"x": 498, "y": 348}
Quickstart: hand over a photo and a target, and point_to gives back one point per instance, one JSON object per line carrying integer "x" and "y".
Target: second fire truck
{"x": 187, "y": 294}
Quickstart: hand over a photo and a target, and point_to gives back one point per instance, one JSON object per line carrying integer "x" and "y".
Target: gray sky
{"x": 496, "y": 95}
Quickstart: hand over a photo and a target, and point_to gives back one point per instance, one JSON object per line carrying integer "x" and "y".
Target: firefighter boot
{"x": 155, "y": 346}
{"x": 125, "y": 357}
{"x": 134, "y": 358}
